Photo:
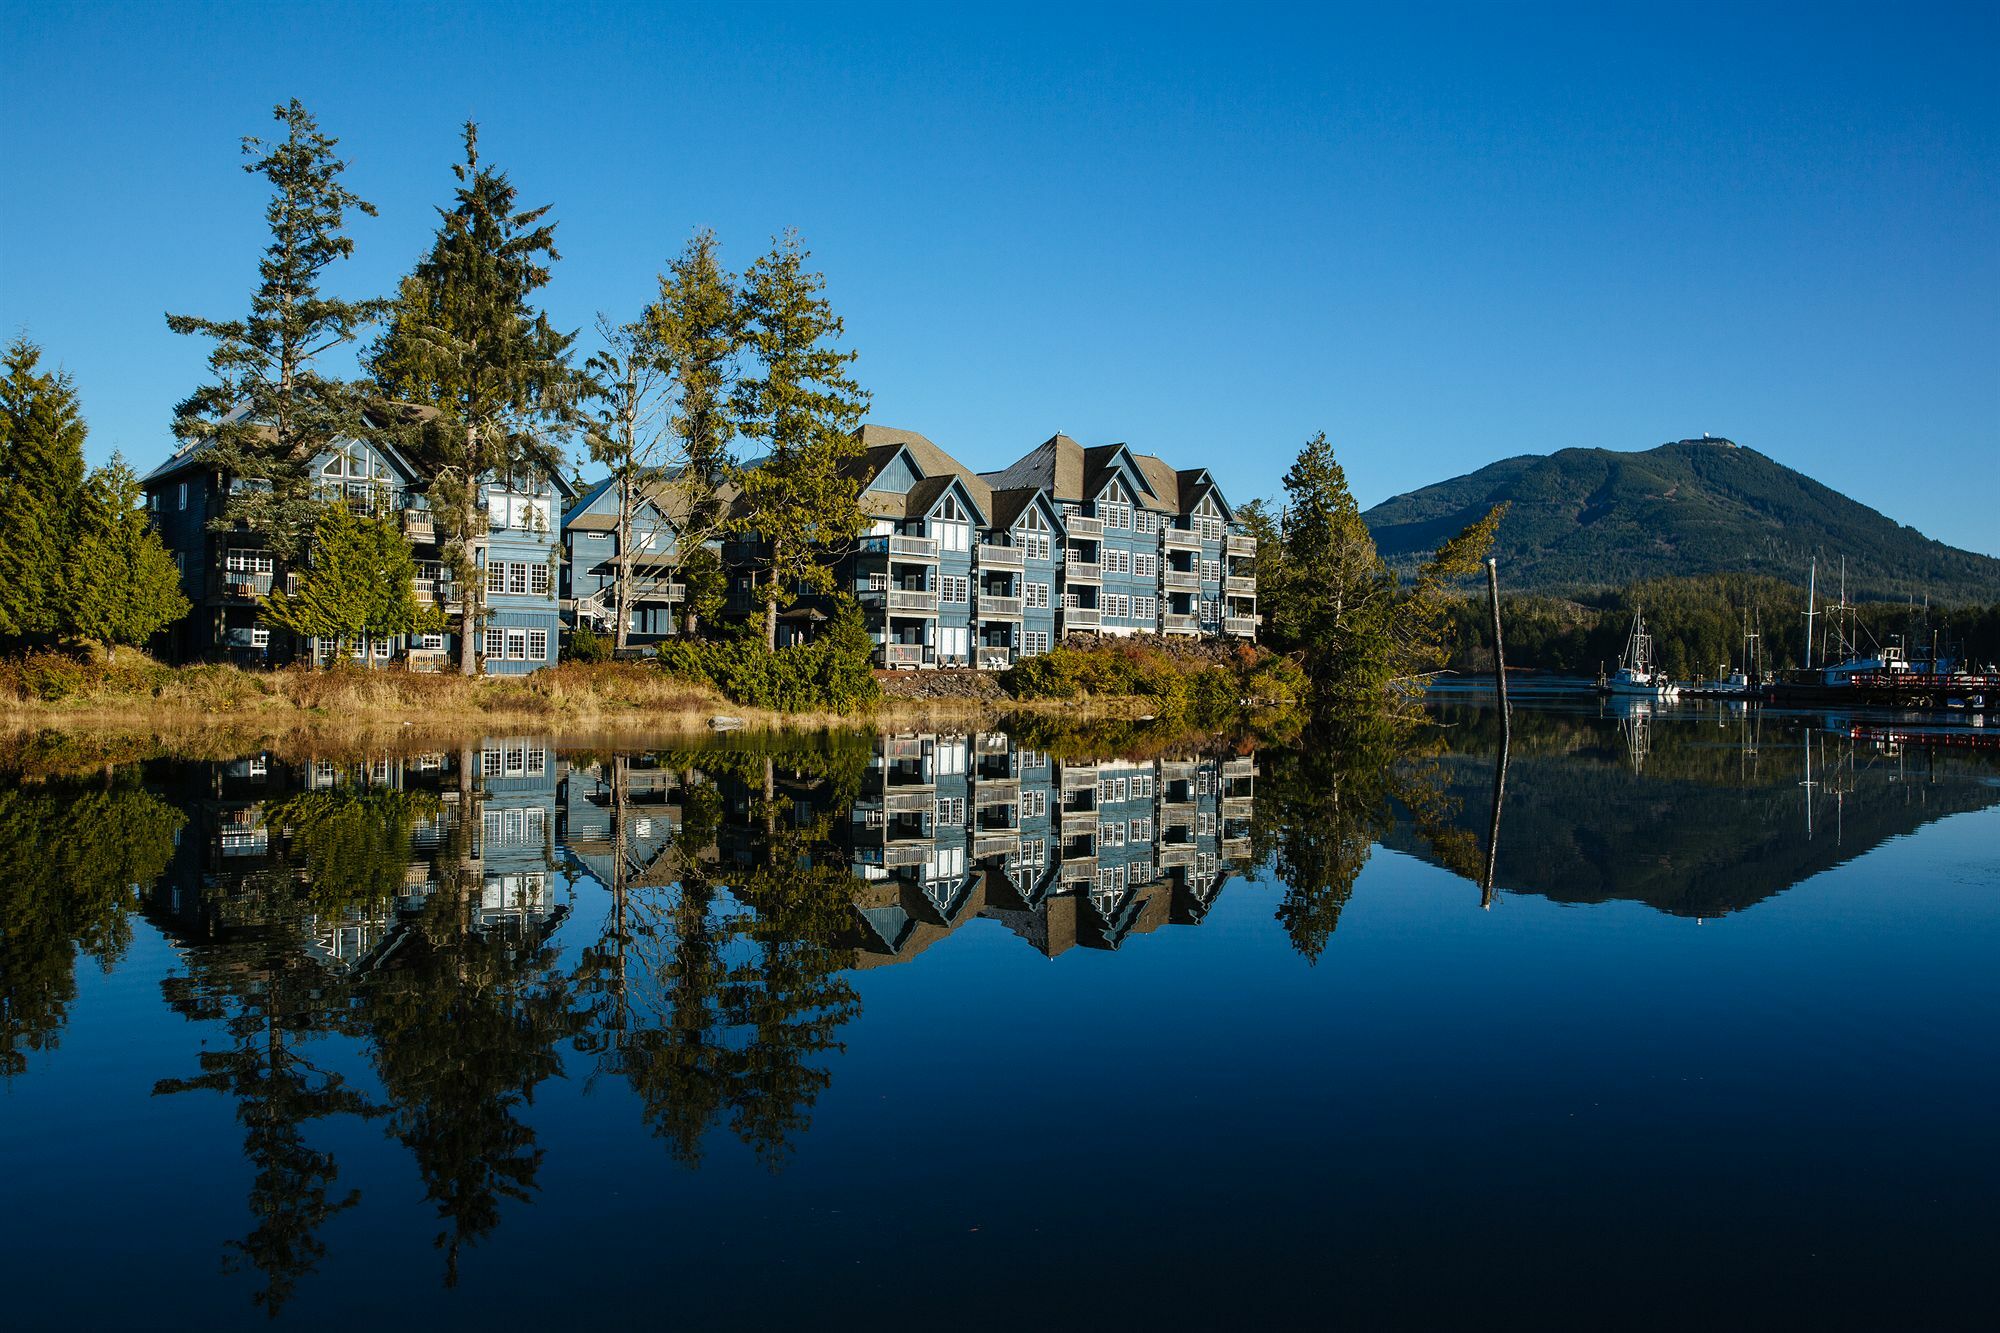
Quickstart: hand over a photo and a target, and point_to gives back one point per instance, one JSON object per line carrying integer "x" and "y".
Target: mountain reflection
{"x": 1697, "y": 810}
{"x": 418, "y": 943}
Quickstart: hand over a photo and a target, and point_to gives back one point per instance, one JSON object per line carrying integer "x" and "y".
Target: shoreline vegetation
{"x": 59, "y": 710}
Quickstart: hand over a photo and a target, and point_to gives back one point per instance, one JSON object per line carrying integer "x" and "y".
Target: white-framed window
{"x": 496, "y": 576}
{"x": 1140, "y": 830}
{"x": 1118, "y": 606}
{"x": 1145, "y": 608}
{"x": 1034, "y": 804}
{"x": 1111, "y": 835}
{"x": 1204, "y": 824}
{"x": 1106, "y": 790}
{"x": 948, "y": 759}
{"x": 538, "y": 645}
{"x": 431, "y": 642}
{"x": 184, "y": 495}
{"x": 598, "y": 536}
{"x": 381, "y": 649}
{"x": 538, "y": 580}
{"x": 517, "y": 578}
{"x": 952, "y": 588}
{"x": 1038, "y": 594}
{"x": 1204, "y": 782}
{"x": 517, "y": 645}
{"x": 1140, "y": 872}
{"x": 1032, "y": 759}
{"x": 950, "y": 810}
{"x": 244, "y": 560}
{"x": 950, "y": 526}
{"x": 496, "y": 644}
{"x": 1146, "y": 566}
{"x": 1142, "y": 786}
{"x": 1211, "y": 571}
{"x": 1035, "y": 642}
{"x": 1117, "y": 562}
{"x": 1145, "y": 520}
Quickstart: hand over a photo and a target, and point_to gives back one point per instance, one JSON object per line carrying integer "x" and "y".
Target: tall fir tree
{"x": 270, "y": 407}
{"x": 1336, "y": 601}
{"x": 120, "y": 586}
{"x": 41, "y": 479}
{"x": 801, "y": 498}
{"x": 697, "y": 325}
{"x": 491, "y": 375}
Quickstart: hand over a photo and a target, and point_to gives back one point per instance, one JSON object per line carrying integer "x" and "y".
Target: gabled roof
{"x": 881, "y": 445}
{"x": 1009, "y": 505}
{"x": 1055, "y": 465}
{"x": 1163, "y": 480}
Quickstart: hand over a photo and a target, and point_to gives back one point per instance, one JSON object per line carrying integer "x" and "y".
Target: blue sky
{"x": 1443, "y": 236}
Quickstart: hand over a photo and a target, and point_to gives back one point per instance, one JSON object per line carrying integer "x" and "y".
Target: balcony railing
{"x": 1185, "y": 580}
{"x": 1240, "y": 585}
{"x": 419, "y": 525}
{"x": 1244, "y": 626}
{"x": 1082, "y": 525}
{"x": 898, "y": 854}
{"x": 236, "y": 583}
{"x": 1180, "y": 624}
{"x": 910, "y": 599}
{"x": 1183, "y": 539}
{"x": 994, "y": 556}
{"x": 999, "y": 608}
{"x": 1081, "y": 617}
{"x": 1083, "y": 571}
{"x": 911, "y": 800}
{"x": 1240, "y": 767}
{"x": 995, "y": 844}
{"x": 994, "y": 659}
{"x": 913, "y": 548}
{"x": 997, "y": 791}
{"x": 1239, "y": 544}
{"x": 905, "y": 654}
{"x": 658, "y": 590}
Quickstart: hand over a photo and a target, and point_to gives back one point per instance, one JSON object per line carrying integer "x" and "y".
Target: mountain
{"x": 1594, "y": 518}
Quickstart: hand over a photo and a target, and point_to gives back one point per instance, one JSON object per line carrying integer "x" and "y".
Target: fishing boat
{"x": 1637, "y": 676}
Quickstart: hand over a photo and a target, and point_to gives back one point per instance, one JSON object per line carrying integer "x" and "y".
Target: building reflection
{"x": 955, "y": 828}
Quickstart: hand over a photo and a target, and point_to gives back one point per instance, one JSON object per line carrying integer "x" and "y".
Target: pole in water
{"x": 1506, "y": 734}
{"x": 1499, "y": 648}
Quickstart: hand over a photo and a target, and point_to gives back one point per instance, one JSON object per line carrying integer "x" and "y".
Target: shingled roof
{"x": 880, "y": 445}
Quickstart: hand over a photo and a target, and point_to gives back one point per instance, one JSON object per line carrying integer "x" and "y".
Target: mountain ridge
{"x": 1584, "y": 518}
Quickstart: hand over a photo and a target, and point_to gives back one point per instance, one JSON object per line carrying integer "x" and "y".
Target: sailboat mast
{"x": 1812, "y": 585}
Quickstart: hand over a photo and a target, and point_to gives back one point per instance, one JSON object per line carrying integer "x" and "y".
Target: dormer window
{"x": 950, "y": 526}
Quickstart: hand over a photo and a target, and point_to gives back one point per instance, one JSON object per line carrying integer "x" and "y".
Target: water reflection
{"x": 418, "y": 943}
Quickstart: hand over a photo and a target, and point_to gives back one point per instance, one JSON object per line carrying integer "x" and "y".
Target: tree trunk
{"x": 473, "y": 593}
{"x": 621, "y": 594}
{"x": 771, "y": 603}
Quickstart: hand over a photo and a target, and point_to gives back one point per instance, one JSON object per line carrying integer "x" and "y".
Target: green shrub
{"x": 830, "y": 674}
{"x": 587, "y": 645}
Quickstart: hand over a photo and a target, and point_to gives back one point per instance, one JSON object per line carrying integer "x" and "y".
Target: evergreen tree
{"x": 269, "y": 409}
{"x": 41, "y": 479}
{"x": 697, "y": 325}
{"x": 465, "y": 343}
{"x": 800, "y": 498}
{"x": 357, "y": 586}
{"x": 1337, "y": 603}
{"x": 119, "y": 586}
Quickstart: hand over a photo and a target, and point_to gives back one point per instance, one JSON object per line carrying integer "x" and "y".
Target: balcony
{"x": 1240, "y": 585}
{"x": 1183, "y": 580}
{"x": 1238, "y": 544}
{"x": 992, "y": 556}
{"x": 999, "y": 608}
{"x": 913, "y": 548}
{"x": 1237, "y": 807}
{"x": 1241, "y": 626}
{"x": 236, "y": 583}
{"x": 1083, "y": 571}
{"x": 419, "y": 525}
{"x": 900, "y": 854}
{"x": 1080, "y": 525}
{"x": 909, "y": 800}
{"x": 992, "y": 658}
{"x": 1081, "y": 617}
{"x": 1240, "y": 767}
{"x": 895, "y": 655}
{"x": 433, "y": 592}
{"x": 1078, "y": 777}
{"x": 912, "y": 600}
{"x": 1183, "y": 539}
{"x": 996, "y": 843}
{"x": 1076, "y": 868}
{"x": 997, "y": 791}
{"x": 1173, "y": 624}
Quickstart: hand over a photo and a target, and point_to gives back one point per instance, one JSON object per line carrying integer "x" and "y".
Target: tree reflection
{"x": 714, "y": 999}
{"x": 1325, "y": 803}
{"x": 70, "y": 856}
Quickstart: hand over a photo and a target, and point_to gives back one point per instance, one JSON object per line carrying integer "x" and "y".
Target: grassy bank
{"x": 130, "y": 704}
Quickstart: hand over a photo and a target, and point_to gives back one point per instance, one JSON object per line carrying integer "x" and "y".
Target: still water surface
{"x": 984, "y": 1030}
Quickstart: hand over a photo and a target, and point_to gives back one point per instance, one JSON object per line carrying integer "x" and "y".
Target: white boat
{"x": 1637, "y": 676}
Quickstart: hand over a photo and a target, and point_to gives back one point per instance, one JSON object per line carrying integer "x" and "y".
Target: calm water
{"x": 987, "y": 1030}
